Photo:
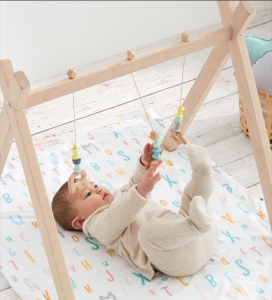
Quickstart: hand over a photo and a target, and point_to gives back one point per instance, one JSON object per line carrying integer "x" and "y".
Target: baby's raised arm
{"x": 111, "y": 223}
{"x": 144, "y": 175}
{"x": 142, "y": 166}
{"x": 149, "y": 181}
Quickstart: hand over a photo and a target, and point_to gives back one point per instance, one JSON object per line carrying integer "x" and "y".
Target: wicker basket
{"x": 266, "y": 105}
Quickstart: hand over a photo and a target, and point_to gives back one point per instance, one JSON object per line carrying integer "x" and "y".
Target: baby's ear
{"x": 77, "y": 223}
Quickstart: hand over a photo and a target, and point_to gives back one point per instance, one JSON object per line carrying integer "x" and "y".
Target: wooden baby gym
{"x": 228, "y": 42}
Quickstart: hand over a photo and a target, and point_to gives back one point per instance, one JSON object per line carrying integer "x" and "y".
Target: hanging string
{"x": 74, "y": 144}
{"x": 142, "y": 101}
{"x": 182, "y": 81}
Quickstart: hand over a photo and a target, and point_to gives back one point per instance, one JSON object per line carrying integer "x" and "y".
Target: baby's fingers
{"x": 150, "y": 148}
{"x": 157, "y": 177}
{"x": 146, "y": 147}
{"x": 154, "y": 165}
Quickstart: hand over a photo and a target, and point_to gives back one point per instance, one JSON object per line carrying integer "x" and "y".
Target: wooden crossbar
{"x": 18, "y": 96}
{"x": 124, "y": 67}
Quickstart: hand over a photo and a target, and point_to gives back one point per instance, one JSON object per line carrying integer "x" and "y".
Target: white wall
{"x": 44, "y": 38}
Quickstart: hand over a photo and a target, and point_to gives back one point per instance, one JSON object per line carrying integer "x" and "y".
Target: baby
{"x": 150, "y": 237}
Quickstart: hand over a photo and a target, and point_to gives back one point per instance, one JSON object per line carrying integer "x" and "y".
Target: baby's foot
{"x": 198, "y": 214}
{"x": 202, "y": 178}
{"x": 199, "y": 160}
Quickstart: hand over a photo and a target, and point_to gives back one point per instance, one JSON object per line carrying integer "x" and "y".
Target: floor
{"x": 216, "y": 126}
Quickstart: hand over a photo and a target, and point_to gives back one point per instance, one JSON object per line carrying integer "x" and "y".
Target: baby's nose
{"x": 98, "y": 190}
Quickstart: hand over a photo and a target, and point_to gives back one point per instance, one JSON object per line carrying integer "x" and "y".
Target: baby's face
{"x": 88, "y": 199}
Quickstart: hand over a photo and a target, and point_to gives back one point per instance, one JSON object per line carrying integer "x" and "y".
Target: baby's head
{"x": 71, "y": 210}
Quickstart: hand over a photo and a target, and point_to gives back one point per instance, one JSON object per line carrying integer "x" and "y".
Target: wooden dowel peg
{"x": 72, "y": 73}
{"x": 185, "y": 36}
{"x": 130, "y": 55}
{"x": 178, "y": 137}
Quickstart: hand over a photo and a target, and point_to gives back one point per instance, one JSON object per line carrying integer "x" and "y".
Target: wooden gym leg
{"x": 6, "y": 137}
{"x": 239, "y": 18}
{"x": 18, "y": 92}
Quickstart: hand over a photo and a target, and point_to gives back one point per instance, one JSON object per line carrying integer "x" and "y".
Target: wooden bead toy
{"x": 178, "y": 118}
{"x": 74, "y": 182}
{"x": 175, "y": 131}
{"x": 157, "y": 145}
{"x": 185, "y": 36}
{"x": 130, "y": 55}
{"x": 72, "y": 73}
{"x": 154, "y": 135}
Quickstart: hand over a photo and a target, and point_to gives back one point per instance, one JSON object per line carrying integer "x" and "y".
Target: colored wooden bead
{"x": 177, "y": 127}
{"x": 157, "y": 148}
{"x": 157, "y": 142}
{"x": 77, "y": 168}
{"x": 175, "y": 131}
{"x": 75, "y": 154}
{"x": 76, "y": 161}
{"x": 180, "y": 110}
{"x": 178, "y": 120}
{"x": 156, "y": 155}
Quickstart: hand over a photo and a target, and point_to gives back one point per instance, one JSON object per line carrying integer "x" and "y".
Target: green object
{"x": 257, "y": 47}
{"x": 77, "y": 168}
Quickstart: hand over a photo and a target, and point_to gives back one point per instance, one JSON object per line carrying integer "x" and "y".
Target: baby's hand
{"x": 146, "y": 158}
{"x": 151, "y": 178}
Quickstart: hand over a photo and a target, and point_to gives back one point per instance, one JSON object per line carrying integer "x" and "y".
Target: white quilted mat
{"x": 239, "y": 269}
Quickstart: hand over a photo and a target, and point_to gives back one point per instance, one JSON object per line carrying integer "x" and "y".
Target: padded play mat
{"x": 239, "y": 269}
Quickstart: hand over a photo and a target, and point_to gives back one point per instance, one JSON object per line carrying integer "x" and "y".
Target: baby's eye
{"x": 88, "y": 194}
{"x": 96, "y": 186}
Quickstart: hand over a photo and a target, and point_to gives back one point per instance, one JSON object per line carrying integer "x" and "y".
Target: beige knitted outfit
{"x": 152, "y": 238}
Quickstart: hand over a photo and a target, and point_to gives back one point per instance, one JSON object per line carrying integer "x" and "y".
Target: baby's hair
{"x": 62, "y": 208}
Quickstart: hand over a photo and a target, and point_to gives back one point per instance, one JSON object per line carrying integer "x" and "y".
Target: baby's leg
{"x": 174, "y": 231}
{"x": 201, "y": 183}
{"x": 179, "y": 246}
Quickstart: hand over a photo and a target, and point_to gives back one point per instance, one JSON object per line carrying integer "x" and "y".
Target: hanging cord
{"x": 74, "y": 144}
{"x": 142, "y": 101}
{"x": 182, "y": 81}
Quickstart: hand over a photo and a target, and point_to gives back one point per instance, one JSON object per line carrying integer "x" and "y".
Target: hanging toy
{"x": 175, "y": 131}
{"x": 153, "y": 134}
{"x": 76, "y": 158}
{"x": 74, "y": 182}
{"x": 157, "y": 145}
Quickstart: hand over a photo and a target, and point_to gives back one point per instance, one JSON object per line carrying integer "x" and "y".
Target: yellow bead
{"x": 180, "y": 110}
{"x": 75, "y": 154}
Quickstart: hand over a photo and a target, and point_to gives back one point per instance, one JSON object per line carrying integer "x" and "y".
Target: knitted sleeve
{"x": 110, "y": 223}
{"x": 137, "y": 177}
